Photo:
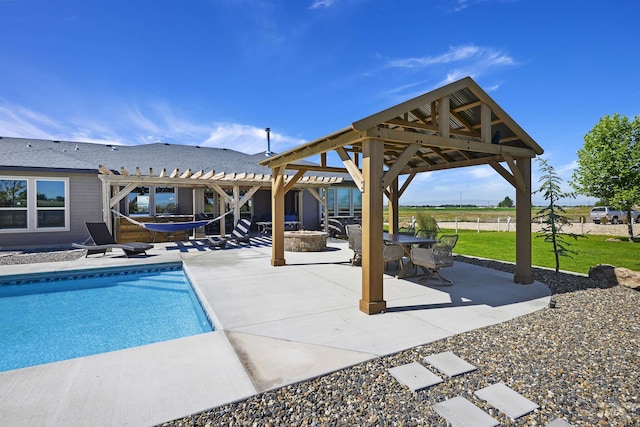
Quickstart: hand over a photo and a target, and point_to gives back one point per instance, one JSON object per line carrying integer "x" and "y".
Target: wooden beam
{"x": 398, "y": 110}
{"x": 399, "y": 165}
{"x": 524, "y": 272}
{"x": 455, "y": 143}
{"x": 293, "y": 181}
{"x": 339, "y": 139}
{"x": 103, "y": 170}
{"x": 406, "y": 184}
{"x": 277, "y": 217}
{"x": 121, "y": 194}
{"x": 355, "y": 173}
{"x": 517, "y": 176}
{"x": 502, "y": 171}
{"x": 485, "y": 123}
{"x": 372, "y": 300}
{"x": 443, "y": 117}
{"x": 453, "y": 165}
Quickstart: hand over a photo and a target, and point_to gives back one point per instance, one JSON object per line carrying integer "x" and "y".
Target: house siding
{"x": 84, "y": 205}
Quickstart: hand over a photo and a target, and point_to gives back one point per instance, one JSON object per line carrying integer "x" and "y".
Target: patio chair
{"x": 354, "y": 234}
{"x": 240, "y": 233}
{"x": 103, "y": 240}
{"x": 391, "y": 252}
{"x": 439, "y": 256}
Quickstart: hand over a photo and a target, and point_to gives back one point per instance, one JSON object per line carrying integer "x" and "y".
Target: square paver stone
{"x": 415, "y": 376}
{"x": 506, "y": 400}
{"x": 462, "y": 413}
{"x": 449, "y": 364}
{"x": 558, "y": 422}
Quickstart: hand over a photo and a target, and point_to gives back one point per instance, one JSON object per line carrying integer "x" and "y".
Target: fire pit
{"x": 305, "y": 241}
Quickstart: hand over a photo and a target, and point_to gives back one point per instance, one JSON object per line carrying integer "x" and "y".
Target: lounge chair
{"x": 217, "y": 242}
{"x": 103, "y": 240}
{"x": 240, "y": 233}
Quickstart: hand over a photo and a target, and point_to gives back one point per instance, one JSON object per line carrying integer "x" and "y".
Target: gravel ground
{"x": 578, "y": 361}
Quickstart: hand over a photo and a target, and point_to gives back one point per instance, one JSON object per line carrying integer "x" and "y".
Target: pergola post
{"x": 372, "y": 301}
{"x": 524, "y": 273}
{"x": 277, "y": 216}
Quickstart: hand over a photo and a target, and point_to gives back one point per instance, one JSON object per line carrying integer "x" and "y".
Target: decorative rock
{"x": 615, "y": 276}
{"x": 628, "y": 278}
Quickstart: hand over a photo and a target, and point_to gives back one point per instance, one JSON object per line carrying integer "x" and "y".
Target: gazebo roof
{"x": 453, "y": 126}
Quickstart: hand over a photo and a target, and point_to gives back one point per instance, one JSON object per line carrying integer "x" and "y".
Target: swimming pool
{"x": 51, "y": 317}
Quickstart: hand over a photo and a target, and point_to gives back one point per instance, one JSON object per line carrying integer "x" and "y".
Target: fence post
{"x": 478, "y": 220}
{"x": 456, "y": 225}
{"x": 498, "y": 224}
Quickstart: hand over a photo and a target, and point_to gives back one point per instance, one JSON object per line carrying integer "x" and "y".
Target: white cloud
{"x": 456, "y": 63}
{"x": 481, "y": 172}
{"x": 130, "y": 125}
{"x": 455, "y": 54}
{"x": 318, "y": 4}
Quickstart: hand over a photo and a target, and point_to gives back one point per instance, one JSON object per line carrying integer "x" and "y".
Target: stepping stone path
{"x": 415, "y": 376}
{"x": 506, "y": 400}
{"x": 459, "y": 411}
{"x": 449, "y": 364}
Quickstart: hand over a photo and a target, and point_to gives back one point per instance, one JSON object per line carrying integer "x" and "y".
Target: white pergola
{"x": 457, "y": 125}
{"x": 116, "y": 186}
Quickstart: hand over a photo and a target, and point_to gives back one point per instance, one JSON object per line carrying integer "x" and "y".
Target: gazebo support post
{"x": 524, "y": 273}
{"x": 277, "y": 216}
{"x": 372, "y": 301}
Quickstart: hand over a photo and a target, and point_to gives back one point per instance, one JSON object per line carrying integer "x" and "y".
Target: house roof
{"x": 453, "y": 126}
{"x": 84, "y": 156}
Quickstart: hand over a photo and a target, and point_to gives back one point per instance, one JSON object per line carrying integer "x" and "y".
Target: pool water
{"x": 65, "y": 317}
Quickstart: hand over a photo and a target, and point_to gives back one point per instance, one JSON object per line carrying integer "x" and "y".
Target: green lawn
{"x": 591, "y": 250}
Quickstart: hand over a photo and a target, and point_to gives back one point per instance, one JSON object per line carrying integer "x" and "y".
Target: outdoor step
{"x": 462, "y": 413}
{"x": 415, "y": 376}
{"x": 506, "y": 400}
{"x": 449, "y": 364}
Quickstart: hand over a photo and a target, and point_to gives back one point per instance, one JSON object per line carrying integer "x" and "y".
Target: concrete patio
{"x": 275, "y": 326}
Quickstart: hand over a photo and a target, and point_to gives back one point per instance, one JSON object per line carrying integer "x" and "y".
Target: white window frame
{"x": 32, "y": 205}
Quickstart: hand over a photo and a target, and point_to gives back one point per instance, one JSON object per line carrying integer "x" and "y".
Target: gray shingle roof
{"x": 65, "y": 155}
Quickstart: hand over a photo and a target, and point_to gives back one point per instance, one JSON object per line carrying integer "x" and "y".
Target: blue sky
{"x": 217, "y": 72}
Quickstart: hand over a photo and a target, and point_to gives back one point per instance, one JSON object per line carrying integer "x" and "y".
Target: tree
{"x": 506, "y": 203}
{"x": 609, "y": 164}
{"x": 552, "y": 215}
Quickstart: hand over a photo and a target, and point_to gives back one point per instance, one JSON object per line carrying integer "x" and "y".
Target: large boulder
{"x": 615, "y": 276}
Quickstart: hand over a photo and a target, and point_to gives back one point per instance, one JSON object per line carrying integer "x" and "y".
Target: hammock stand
{"x": 170, "y": 227}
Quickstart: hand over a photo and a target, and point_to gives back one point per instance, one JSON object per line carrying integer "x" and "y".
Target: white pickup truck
{"x": 613, "y": 216}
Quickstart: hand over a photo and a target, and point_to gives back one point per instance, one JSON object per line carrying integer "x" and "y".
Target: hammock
{"x": 170, "y": 227}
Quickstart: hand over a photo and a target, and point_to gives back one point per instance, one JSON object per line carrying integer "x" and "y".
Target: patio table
{"x": 406, "y": 242}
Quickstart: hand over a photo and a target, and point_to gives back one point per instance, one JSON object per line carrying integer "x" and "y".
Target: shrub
{"x": 427, "y": 226}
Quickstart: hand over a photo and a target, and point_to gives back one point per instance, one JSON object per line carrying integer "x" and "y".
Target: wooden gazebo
{"x": 457, "y": 125}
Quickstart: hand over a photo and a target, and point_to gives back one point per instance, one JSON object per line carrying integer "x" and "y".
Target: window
{"x": 51, "y": 199}
{"x": 13, "y": 204}
{"x": 165, "y": 200}
{"x": 33, "y": 204}
{"x": 138, "y": 201}
{"x": 344, "y": 201}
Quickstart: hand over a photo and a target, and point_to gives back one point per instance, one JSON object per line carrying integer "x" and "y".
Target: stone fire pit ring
{"x": 305, "y": 241}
